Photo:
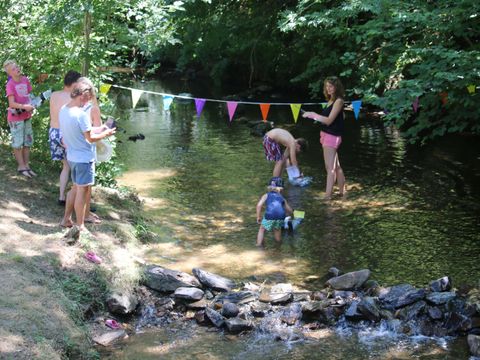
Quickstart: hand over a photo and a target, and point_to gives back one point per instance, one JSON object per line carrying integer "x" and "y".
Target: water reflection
{"x": 201, "y": 178}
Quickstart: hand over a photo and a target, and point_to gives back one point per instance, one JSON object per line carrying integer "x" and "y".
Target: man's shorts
{"x": 83, "y": 174}
{"x": 22, "y": 133}
{"x": 330, "y": 140}
{"x": 273, "y": 152}
{"x": 57, "y": 151}
{"x": 270, "y": 225}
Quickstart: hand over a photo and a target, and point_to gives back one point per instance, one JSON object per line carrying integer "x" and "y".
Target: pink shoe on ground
{"x": 112, "y": 324}
{"x": 91, "y": 256}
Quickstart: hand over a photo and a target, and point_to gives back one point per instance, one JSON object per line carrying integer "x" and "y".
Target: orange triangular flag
{"x": 264, "y": 108}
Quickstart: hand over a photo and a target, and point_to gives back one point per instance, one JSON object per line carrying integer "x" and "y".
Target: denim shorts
{"x": 22, "y": 133}
{"x": 83, "y": 174}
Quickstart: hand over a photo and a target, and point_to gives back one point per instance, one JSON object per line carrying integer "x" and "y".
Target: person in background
{"x": 57, "y": 150}
{"x": 332, "y": 121}
{"x": 276, "y": 208}
{"x": 19, "y": 116}
{"x": 78, "y": 136}
{"x": 272, "y": 142}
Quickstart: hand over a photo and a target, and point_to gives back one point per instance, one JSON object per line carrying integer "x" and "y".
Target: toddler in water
{"x": 276, "y": 208}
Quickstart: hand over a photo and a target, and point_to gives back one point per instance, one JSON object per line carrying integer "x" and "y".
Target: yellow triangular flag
{"x": 105, "y": 88}
{"x": 136, "y": 96}
{"x": 295, "y": 111}
{"x": 297, "y": 214}
{"x": 471, "y": 89}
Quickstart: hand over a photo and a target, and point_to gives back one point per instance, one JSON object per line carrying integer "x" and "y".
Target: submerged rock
{"x": 122, "y": 303}
{"x": 351, "y": 280}
{"x": 213, "y": 281}
{"x": 291, "y": 314}
{"x": 442, "y": 284}
{"x": 237, "y": 325}
{"x": 166, "y": 280}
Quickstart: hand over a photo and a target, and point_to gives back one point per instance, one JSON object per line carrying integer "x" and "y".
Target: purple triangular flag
{"x": 199, "y": 103}
{"x": 356, "y": 105}
{"x": 231, "y": 106}
{"x": 415, "y": 104}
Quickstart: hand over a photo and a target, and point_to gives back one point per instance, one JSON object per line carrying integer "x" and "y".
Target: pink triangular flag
{"x": 231, "y": 106}
{"x": 415, "y": 104}
{"x": 199, "y": 103}
{"x": 264, "y": 108}
{"x": 295, "y": 111}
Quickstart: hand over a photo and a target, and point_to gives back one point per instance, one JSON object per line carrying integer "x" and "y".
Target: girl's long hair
{"x": 339, "y": 89}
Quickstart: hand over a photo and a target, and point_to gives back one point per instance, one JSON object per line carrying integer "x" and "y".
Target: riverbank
{"x": 50, "y": 292}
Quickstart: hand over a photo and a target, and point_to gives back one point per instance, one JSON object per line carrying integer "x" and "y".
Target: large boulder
{"x": 351, "y": 280}
{"x": 122, "y": 303}
{"x": 166, "y": 280}
{"x": 188, "y": 293}
{"x": 213, "y": 281}
{"x": 369, "y": 308}
{"x": 401, "y": 295}
{"x": 439, "y": 298}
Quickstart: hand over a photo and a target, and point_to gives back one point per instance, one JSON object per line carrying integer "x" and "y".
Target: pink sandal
{"x": 112, "y": 324}
{"x": 91, "y": 256}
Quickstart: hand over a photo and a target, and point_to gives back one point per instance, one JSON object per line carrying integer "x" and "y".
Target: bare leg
{"x": 89, "y": 215}
{"x": 260, "y": 236}
{"x": 18, "y": 153}
{"x": 277, "y": 234}
{"x": 277, "y": 170}
{"x": 26, "y": 156}
{"x": 64, "y": 179}
{"x": 67, "y": 217}
{"x": 80, "y": 204}
{"x": 330, "y": 158}
{"x": 340, "y": 177}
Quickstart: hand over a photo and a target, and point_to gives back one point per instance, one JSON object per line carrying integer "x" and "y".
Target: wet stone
{"x": 215, "y": 317}
{"x": 353, "y": 313}
{"x": 402, "y": 295}
{"x": 240, "y": 297}
{"x": 435, "y": 313}
{"x": 197, "y": 305}
{"x": 314, "y": 306}
{"x": 457, "y": 323}
{"x": 200, "y": 317}
{"x": 442, "y": 284}
{"x": 334, "y": 272}
{"x": 291, "y": 314}
{"x": 412, "y": 311}
{"x": 351, "y": 280}
{"x": 230, "y": 310}
{"x": 474, "y": 344}
{"x": 368, "y": 307}
{"x": 439, "y": 298}
{"x": 122, "y": 303}
{"x": 344, "y": 294}
{"x": 213, "y": 281}
{"x": 236, "y": 325}
{"x": 260, "y": 309}
{"x": 301, "y": 296}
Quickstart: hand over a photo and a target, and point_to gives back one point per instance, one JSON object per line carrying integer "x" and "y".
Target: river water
{"x": 411, "y": 216}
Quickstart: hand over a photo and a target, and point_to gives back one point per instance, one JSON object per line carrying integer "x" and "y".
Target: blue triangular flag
{"x": 356, "y": 105}
{"x": 167, "y": 101}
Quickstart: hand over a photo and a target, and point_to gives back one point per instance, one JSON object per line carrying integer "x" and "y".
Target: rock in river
{"x": 213, "y": 281}
{"x": 189, "y": 293}
{"x": 166, "y": 280}
{"x": 122, "y": 303}
{"x": 351, "y": 280}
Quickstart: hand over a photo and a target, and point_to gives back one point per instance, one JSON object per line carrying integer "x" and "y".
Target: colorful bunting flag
{"x": 231, "y": 106}
{"x": 199, "y": 103}
{"x": 105, "y": 88}
{"x": 295, "y": 111}
{"x": 415, "y": 104}
{"x": 444, "y": 97}
{"x": 264, "y": 108}
{"x": 167, "y": 101}
{"x": 136, "y": 96}
{"x": 356, "y": 105}
{"x": 471, "y": 89}
{"x": 324, "y": 105}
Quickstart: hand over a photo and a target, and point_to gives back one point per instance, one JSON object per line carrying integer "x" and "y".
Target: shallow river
{"x": 411, "y": 216}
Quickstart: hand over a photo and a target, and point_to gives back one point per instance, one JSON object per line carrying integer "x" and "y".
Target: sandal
{"x": 93, "y": 220}
{"x": 31, "y": 172}
{"x": 92, "y": 257}
{"x": 25, "y": 172}
{"x": 112, "y": 324}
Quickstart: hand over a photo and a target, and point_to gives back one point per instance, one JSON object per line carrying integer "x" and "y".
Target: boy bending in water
{"x": 272, "y": 142}
{"x": 276, "y": 208}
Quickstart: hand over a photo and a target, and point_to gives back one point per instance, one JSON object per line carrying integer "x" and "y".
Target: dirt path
{"x": 43, "y": 280}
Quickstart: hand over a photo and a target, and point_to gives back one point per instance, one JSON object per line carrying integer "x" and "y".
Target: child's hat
{"x": 276, "y": 181}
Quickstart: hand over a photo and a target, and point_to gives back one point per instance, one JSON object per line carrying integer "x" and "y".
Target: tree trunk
{"x": 87, "y": 29}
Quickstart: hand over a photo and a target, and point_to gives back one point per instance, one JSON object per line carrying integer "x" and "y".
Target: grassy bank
{"x": 50, "y": 292}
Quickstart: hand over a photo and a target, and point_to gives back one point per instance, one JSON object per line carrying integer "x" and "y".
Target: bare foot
{"x": 93, "y": 219}
{"x": 66, "y": 223}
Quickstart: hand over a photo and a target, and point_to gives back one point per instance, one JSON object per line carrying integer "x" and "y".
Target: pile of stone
{"x": 212, "y": 300}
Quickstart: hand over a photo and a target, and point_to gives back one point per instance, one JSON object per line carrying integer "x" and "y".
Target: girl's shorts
{"x": 22, "y": 133}
{"x": 270, "y": 225}
{"x": 330, "y": 140}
